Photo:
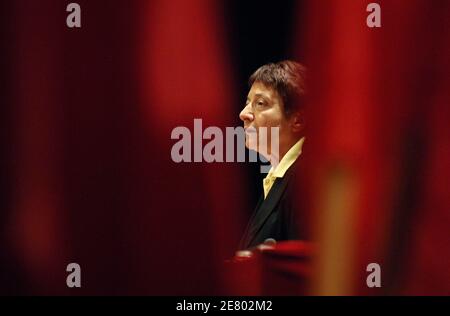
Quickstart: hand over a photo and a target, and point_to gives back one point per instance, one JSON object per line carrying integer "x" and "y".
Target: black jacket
{"x": 278, "y": 216}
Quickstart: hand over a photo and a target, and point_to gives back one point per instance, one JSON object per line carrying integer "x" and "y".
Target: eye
{"x": 260, "y": 103}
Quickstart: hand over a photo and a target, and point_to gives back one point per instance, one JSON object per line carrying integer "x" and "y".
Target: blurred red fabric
{"x": 378, "y": 98}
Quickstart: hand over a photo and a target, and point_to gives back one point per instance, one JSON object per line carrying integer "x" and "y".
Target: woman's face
{"x": 264, "y": 108}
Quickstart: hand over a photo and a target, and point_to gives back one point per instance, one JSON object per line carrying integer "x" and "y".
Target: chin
{"x": 250, "y": 145}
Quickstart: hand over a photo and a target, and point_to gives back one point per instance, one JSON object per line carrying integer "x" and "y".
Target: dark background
{"x": 261, "y": 33}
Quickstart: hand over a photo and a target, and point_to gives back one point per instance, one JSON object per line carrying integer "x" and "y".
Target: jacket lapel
{"x": 268, "y": 206}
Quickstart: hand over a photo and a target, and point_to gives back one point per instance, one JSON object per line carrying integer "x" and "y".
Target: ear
{"x": 298, "y": 121}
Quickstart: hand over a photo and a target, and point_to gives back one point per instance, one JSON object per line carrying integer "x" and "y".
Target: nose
{"x": 246, "y": 114}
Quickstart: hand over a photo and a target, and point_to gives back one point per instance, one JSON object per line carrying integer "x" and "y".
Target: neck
{"x": 284, "y": 147}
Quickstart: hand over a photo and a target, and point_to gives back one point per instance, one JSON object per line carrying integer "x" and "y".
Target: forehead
{"x": 260, "y": 89}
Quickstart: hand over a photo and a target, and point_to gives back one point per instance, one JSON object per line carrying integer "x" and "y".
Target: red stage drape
{"x": 94, "y": 181}
{"x": 380, "y": 145}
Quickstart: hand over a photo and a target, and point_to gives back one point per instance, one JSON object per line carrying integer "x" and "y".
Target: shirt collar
{"x": 288, "y": 159}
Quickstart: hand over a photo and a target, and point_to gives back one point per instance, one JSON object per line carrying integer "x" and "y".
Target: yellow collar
{"x": 288, "y": 159}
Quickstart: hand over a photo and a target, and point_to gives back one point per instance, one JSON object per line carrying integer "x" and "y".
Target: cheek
{"x": 259, "y": 120}
{"x": 268, "y": 119}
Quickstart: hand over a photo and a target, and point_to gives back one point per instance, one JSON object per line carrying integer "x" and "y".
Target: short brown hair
{"x": 287, "y": 78}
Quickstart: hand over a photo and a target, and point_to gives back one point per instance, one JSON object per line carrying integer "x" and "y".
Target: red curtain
{"x": 380, "y": 145}
{"x": 94, "y": 181}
